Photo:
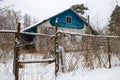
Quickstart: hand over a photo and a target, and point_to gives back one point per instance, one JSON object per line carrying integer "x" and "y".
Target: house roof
{"x": 80, "y": 17}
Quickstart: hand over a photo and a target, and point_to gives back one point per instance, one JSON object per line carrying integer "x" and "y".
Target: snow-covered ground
{"x": 47, "y": 72}
{"x": 6, "y": 76}
{"x": 97, "y": 74}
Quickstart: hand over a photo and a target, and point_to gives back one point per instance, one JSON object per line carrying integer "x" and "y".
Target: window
{"x": 68, "y": 19}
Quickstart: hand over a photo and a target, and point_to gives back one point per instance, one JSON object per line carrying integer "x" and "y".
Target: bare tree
{"x": 9, "y": 19}
{"x": 27, "y": 20}
{"x": 34, "y": 20}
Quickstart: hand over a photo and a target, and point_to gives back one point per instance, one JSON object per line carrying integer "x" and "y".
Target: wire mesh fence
{"x": 88, "y": 51}
{"x": 6, "y": 52}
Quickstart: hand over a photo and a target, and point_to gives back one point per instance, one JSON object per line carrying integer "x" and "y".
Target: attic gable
{"x": 76, "y": 21}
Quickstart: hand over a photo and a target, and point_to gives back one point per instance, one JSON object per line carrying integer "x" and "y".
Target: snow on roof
{"x": 30, "y": 27}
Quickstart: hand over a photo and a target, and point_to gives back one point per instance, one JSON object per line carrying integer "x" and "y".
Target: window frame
{"x": 68, "y": 19}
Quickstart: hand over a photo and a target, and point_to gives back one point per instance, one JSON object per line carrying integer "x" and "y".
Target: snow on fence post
{"x": 16, "y": 53}
{"x": 56, "y": 48}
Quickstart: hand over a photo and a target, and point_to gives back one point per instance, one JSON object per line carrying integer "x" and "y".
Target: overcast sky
{"x": 99, "y": 10}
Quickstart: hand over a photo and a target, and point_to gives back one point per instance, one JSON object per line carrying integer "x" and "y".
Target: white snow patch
{"x": 6, "y": 76}
{"x": 98, "y": 74}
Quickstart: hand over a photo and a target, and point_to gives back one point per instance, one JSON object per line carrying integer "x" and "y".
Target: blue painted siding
{"x": 77, "y": 22}
{"x": 32, "y": 29}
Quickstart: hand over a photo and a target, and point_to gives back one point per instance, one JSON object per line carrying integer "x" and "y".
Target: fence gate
{"x": 34, "y": 60}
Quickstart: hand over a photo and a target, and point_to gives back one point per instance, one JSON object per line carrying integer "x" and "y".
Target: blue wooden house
{"x": 68, "y": 20}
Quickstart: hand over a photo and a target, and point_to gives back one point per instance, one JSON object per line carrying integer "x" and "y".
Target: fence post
{"x": 56, "y": 49}
{"x": 109, "y": 55}
{"x": 16, "y": 53}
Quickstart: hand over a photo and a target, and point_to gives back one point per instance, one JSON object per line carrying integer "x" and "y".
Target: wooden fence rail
{"x": 27, "y": 33}
{"x": 64, "y": 32}
{"x": 37, "y": 61}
